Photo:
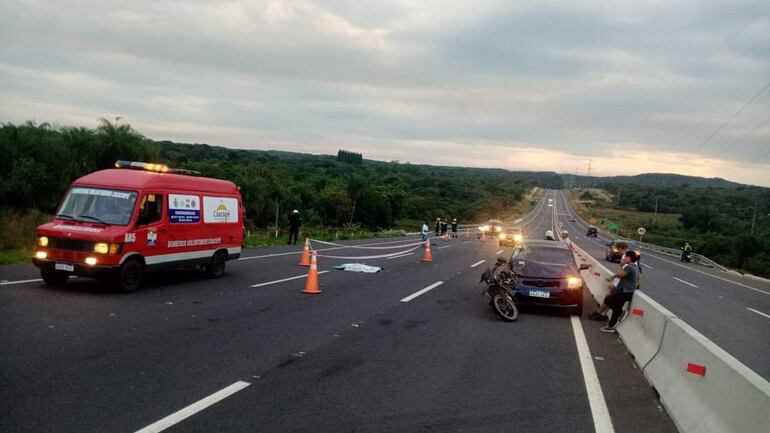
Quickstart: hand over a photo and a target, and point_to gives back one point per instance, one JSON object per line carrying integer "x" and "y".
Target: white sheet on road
{"x": 358, "y": 267}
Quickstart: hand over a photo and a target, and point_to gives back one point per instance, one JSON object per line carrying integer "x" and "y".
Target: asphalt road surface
{"x": 731, "y": 311}
{"x": 372, "y": 353}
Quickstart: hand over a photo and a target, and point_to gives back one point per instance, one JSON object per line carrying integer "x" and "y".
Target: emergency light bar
{"x": 159, "y": 168}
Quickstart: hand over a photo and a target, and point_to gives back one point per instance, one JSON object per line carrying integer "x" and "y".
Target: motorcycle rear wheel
{"x": 505, "y": 308}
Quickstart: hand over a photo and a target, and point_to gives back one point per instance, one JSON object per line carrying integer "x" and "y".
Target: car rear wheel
{"x": 54, "y": 278}
{"x": 216, "y": 268}
{"x": 129, "y": 276}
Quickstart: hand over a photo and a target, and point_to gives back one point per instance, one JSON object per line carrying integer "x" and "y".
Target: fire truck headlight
{"x": 42, "y": 241}
{"x": 101, "y": 247}
{"x": 90, "y": 261}
{"x": 41, "y": 255}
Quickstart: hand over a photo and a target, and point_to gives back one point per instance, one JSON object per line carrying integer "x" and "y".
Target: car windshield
{"x": 545, "y": 255}
{"x": 106, "y": 206}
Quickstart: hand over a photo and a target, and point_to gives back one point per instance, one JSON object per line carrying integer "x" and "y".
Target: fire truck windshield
{"x": 106, "y": 206}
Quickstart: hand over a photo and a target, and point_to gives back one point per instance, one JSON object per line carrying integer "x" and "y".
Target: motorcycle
{"x": 685, "y": 256}
{"x": 501, "y": 290}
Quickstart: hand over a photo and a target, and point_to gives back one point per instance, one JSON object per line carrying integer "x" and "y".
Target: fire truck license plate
{"x": 64, "y": 267}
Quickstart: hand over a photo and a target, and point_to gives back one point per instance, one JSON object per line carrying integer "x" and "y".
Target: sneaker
{"x": 608, "y": 329}
{"x": 597, "y": 316}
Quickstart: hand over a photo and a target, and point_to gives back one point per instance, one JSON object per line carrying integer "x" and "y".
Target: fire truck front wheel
{"x": 129, "y": 276}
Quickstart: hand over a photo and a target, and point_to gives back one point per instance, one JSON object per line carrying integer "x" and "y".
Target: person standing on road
{"x": 686, "y": 250}
{"x": 295, "y": 222}
{"x": 424, "y": 231}
{"x": 628, "y": 279}
{"x": 454, "y": 227}
{"x": 438, "y": 226}
{"x": 443, "y": 227}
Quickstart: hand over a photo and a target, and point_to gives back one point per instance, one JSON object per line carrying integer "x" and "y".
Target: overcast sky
{"x": 637, "y": 86}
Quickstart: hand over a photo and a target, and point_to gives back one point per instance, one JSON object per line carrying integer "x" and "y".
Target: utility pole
{"x": 753, "y": 220}
{"x": 618, "y": 196}
{"x": 589, "y": 167}
{"x": 655, "y": 215}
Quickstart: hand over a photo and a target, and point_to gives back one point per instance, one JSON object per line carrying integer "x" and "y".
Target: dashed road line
{"x": 423, "y": 291}
{"x": 499, "y": 252}
{"x": 194, "y": 408}
{"x": 478, "y": 263}
{"x": 285, "y": 279}
{"x": 599, "y": 411}
{"x": 758, "y": 312}
{"x": 685, "y": 282}
{"x": 646, "y": 265}
{"x": 445, "y": 246}
{"x": 8, "y": 283}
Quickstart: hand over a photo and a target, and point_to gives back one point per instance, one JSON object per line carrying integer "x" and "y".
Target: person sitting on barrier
{"x": 686, "y": 250}
{"x": 601, "y": 313}
{"x": 624, "y": 290}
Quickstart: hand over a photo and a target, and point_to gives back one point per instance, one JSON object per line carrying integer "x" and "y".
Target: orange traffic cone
{"x": 446, "y": 236}
{"x": 311, "y": 284}
{"x": 427, "y": 258}
{"x": 305, "y": 260}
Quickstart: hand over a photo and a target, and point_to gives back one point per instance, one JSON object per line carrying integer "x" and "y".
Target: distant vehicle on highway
{"x": 572, "y": 219}
{"x": 493, "y": 227}
{"x": 511, "y": 237}
{"x": 549, "y": 235}
{"x": 612, "y": 254}
{"x": 546, "y": 274}
{"x": 116, "y": 224}
{"x": 592, "y": 232}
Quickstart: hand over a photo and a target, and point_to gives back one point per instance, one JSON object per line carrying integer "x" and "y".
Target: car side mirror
{"x": 584, "y": 266}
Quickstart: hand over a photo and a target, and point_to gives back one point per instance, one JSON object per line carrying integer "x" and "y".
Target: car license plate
{"x": 64, "y": 267}
{"x": 539, "y": 294}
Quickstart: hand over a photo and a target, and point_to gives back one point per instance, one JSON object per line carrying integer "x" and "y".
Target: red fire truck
{"x": 118, "y": 223}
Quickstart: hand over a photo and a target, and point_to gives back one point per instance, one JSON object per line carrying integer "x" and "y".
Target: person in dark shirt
{"x": 623, "y": 291}
{"x": 295, "y": 222}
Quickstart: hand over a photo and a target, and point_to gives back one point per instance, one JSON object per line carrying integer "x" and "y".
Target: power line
{"x": 726, "y": 122}
{"x": 746, "y": 135}
{"x": 752, "y": 162}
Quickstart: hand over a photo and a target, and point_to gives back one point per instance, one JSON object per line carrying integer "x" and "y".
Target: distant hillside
{"x": 671, "y": 179}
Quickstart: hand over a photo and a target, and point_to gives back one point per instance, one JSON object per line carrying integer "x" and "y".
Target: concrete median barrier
{"x": 705, "y": 389}
{"x": 642, "y": 330}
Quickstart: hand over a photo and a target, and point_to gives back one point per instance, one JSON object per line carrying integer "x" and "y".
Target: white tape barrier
{"x": 367, "y": 247}
{"x": 642, "y": 330}
{"x": 380, "y": 256}
{"x": 705, "y": 389}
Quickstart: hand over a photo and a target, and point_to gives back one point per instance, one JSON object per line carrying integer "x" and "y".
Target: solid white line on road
{"x": 285, "y": 279}
{"x": 646, "y": 265}
{"x": 499, "y": 252}
{"x": 7, "y": 283}
{"x": 445, "y": 246}
{"x": 478, "y": 263}
{"x": 599, "y": 411}
{"x": 758, "y": 312}
{"x": 423, "y": 291}
{"x": 194, "y": 408}
{"x": 402, "y": 255}
{"x": 685, "y": 282}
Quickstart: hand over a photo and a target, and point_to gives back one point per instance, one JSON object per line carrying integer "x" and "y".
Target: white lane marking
{"x": 683, "y": 281}
{"x": 599, "y": 411}
{"x": 646, "y": 265}
{"x": 758, "y": 312}
{"x": 285, "y": 279}
{"x": 445, "y": 246}
{"x": 710, "y": 275}
{"x": 7, "y": 283}
{"x": 423, "y": 291}
{"x": 194, "y": 408}
{"x": 499, "y": 252}
{"x": 402, "y": 255}
{"x": 478, "y": 263}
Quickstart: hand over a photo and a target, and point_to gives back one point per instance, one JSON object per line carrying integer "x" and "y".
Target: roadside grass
{"x": 17, "y": 234}
{"x": 663, "y": 229}
{"x": 15, "y": 256}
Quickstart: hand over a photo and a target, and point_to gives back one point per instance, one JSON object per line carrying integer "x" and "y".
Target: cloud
{"x": 552, "y": 83}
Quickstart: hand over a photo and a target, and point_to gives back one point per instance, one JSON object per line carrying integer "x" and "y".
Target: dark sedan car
{"x": 592, "y": 231}
{"x": 546, "y": 274}
{"x": 613, "y": 254}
